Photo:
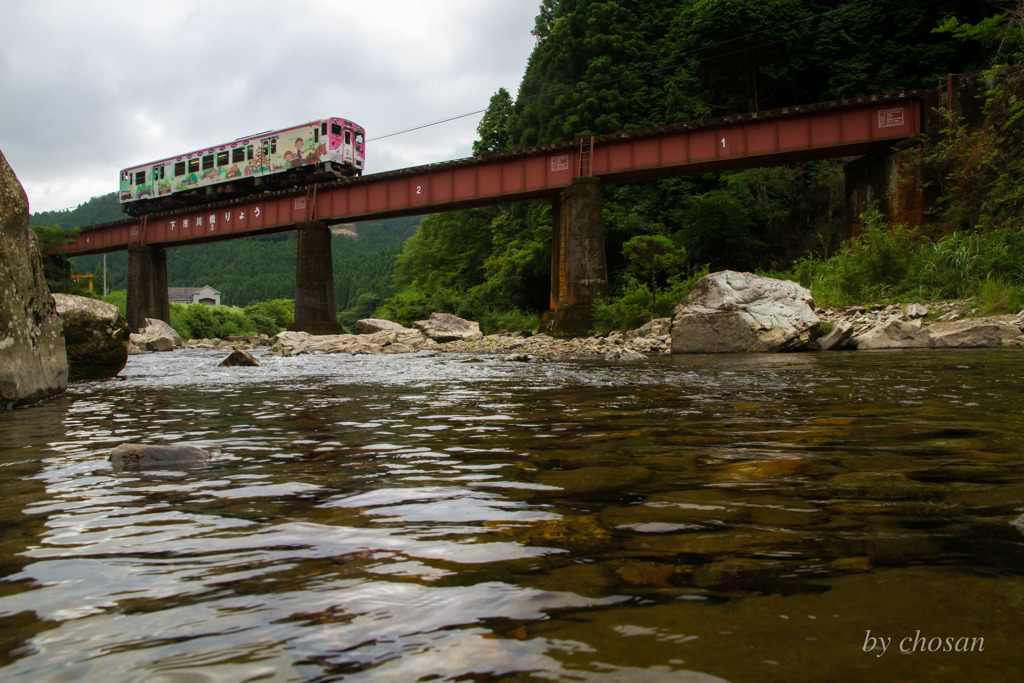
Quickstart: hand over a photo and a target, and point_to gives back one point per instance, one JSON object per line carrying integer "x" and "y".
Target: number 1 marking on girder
{"x": 723, "y": 143}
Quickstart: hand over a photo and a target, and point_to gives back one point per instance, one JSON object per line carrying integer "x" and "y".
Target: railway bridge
{"x": 569, "y": 174}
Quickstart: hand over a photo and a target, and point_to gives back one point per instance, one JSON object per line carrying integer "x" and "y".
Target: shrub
{"x": 635, "y": 306}
{"x": 198, "y": 321}
{"x": 270, "y": 317}
{"x": 120, "y": 299}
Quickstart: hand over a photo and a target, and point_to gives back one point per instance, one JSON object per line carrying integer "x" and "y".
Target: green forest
{"x": 601, "y": 66}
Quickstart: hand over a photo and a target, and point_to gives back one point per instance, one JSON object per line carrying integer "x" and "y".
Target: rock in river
{"x": 33, "y": 364}
{"x": 445, "y": 327}
{"x": 742, "y": 312}
{"x": 240, "y": 359}
{"x": 96, "y": 335}
{"x": 134, "y": 457}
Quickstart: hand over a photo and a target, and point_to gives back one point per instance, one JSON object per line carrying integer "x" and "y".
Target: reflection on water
{"x": 703, "y": 518}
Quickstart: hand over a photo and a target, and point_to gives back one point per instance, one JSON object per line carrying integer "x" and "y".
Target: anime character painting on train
{"x": 314, "y": 151}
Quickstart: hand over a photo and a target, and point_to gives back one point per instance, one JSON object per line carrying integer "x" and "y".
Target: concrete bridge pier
{"x": 314, "y": 281}
{"x": 887, "y": 180}
{"x": 147, "y": 286}
{"x": 579, "y": 270}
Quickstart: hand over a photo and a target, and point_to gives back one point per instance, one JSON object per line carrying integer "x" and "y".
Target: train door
{"x": 348, "y": 149}
{"x": 159, "y": 184}
{"x": 266, "y": 156}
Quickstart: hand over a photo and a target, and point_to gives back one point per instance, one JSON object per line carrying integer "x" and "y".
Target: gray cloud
{"x": 89, "y": 88}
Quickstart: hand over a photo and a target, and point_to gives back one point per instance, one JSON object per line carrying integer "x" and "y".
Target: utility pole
{"x": 104, "y": 275}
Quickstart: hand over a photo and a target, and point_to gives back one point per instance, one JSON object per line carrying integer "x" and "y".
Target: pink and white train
{"x": 318, "y": 150}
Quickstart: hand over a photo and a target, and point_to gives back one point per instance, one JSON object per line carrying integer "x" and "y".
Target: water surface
{"x": 698, "y": 518}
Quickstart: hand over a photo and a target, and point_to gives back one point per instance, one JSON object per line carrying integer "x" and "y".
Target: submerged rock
{"x": 134, "y": 457}
{"x": 742, "y": 312}
{"x": 33, "y": 364}
{"x": 240, "y": 359}
{"x": 96, "y": 335}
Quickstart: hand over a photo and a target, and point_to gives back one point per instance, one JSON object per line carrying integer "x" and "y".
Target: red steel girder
{"x": 804, "y": 133}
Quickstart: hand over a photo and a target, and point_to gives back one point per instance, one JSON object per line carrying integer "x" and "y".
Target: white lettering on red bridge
{"x": 890, "y": 118}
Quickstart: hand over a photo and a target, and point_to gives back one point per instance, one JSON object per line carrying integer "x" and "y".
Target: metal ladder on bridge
{"x": 946, "y": 97}
{"x": 586, "y": 168}
{"x": 310, "y": 202}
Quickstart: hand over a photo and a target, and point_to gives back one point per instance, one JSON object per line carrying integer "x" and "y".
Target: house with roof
{"x": 190, "y": 295}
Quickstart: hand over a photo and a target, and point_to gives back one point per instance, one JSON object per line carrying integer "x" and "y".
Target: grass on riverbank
{"x": 897, "y": 264}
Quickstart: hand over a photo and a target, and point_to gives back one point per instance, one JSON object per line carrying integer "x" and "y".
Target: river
{"x": 802, "y": 517}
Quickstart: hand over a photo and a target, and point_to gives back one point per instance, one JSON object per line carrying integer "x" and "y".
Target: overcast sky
{"x": 88, "y": 87}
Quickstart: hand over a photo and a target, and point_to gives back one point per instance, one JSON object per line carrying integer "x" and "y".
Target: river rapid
{"x": 804, "y": 517}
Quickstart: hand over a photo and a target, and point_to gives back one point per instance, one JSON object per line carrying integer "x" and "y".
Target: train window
{"x": 140, "y": 178}
{"x": 348, "y": 137}
{"x": 273, "y": 146}
{"x": 316, "y": 135}
{"x": 248, "y": 152}
{"x": 237, "y": 154}
{"x": 222, "y": 158}
{"x": 323, "y": 128}
{"x": 179, "y": 168}
{"x": 359, "y": 138}
{"x": 207, "y": 162}
{"x": 193, "y": 165}
{"x": 158, "y": 173}
{"x": 335, "y": 129}
{"x": 126, "y": 177}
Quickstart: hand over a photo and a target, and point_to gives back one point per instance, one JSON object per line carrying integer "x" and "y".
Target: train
{"x": 318, "y": 150}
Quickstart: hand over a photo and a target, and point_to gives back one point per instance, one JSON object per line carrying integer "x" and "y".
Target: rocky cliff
{"x": 33, "y": 363}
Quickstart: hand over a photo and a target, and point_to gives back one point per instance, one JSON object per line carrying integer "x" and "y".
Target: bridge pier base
{"x": 314, "y": 282}
{"x": 147, "y": 286}
{"x": 886, "y": 180}
{"x": 579, "y": 270}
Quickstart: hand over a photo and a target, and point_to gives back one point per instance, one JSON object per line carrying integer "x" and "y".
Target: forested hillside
{"x": 600, "y": 66}
{"x": 255, "y": 269}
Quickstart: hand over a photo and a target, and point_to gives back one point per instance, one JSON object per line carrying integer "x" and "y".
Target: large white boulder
{"x": 445, "y": 327}
{"x": 96, "y": 335}
{"x": 372, "y": 325}
{"x": 729, "y": 312}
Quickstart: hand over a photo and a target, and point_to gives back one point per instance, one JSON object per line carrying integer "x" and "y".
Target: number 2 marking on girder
{"x": 419, "y": 189}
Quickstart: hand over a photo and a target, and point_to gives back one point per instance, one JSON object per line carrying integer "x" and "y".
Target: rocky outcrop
{"x": 836, "y": 337}
{"x": 374, "y": 325}
{"x": 229, "y": 343}
{"x": 134, "y": 457}
{"x": 742, "y": 312}
{"x": 895, "y": 334}
{"x": 298, "y": 343}
{"x": 445, "y": 327}
{"x": 155, "y": 336}
{"x": 96, "y": 335}
{"x": 33, "y": 364}
{"x": 941, "y": 324}
{"x": 985, "y": 332}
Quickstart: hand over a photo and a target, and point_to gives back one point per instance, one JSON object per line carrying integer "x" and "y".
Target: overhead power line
{"x": 616, "y": 76}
